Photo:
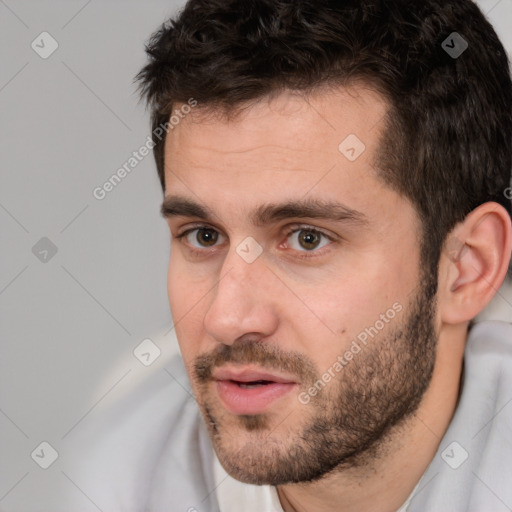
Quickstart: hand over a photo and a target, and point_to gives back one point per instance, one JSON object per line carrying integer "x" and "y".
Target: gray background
{"x": 69, "y": 325}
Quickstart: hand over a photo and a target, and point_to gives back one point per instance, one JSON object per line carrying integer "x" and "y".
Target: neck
{"x": 386, "y": 477}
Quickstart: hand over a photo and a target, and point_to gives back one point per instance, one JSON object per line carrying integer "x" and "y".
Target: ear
{"x": 474, "y": 263}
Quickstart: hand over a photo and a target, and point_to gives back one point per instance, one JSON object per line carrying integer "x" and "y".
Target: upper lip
{"x": 248, "y": 374}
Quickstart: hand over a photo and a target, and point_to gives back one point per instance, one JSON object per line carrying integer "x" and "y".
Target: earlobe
{"x": 475, "y": 262}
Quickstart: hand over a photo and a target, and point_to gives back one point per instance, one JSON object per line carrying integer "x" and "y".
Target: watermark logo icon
{"x": 146, "y": 352}
{"x": 249, "y": 250}
{"x": 455, "y": 248}
{"x": 454, "y": 45}
{"x": 44, "y": 455}
{"x": 44, "y": 45}
{"x": 454, "y": 455}
{"x": 44, "y": 250}
{"x": 351, "y": 147}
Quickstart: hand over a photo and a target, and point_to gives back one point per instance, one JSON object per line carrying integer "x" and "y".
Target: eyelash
{"x": 292, "y": 229}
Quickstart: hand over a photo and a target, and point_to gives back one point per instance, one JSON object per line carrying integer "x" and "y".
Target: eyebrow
{"x": 175, "y": 206}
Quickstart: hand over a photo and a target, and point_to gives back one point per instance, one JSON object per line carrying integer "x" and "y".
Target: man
{"x": 335, "y": 178}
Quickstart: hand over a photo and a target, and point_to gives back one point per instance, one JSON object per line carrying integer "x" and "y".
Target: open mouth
{"x": 253, "y": 384}
{"x": 249, "y": 389}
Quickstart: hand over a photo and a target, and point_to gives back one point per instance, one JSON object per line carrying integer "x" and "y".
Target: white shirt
{"x": 256, "y": 498}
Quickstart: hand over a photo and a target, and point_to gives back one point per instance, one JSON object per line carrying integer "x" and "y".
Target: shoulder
{"x": 490, "y": 337}
{"x": 115, "y": 450}
{"x": 471, "y": 469}
{"x": 488, "y": 356}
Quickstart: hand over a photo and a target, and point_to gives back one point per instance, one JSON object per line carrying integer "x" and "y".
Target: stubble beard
{"x": 348, "y": 424}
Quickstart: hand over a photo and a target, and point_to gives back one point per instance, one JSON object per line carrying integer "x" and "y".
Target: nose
{"x": 242, "y": 302}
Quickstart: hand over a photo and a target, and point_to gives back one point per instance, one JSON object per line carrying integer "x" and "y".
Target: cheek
{"x": 347, "y": 302}
{"x": 172, "y": 280}
{"x": 344, "y": 308}
{"x": 186, "y": 300}
{"x": 174, "y": 290}
{"x": 184, "y": 287}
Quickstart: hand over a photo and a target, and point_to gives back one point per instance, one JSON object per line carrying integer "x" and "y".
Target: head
{"x": 335, "y": 185}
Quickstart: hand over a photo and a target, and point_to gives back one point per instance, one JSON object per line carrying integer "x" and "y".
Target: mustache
{"x": 254, "y": 352}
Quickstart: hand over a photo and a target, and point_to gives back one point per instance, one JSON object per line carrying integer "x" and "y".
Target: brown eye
{"x": 206, "y": 237}
{"x": 201, "y": 237}
{"x": 305, "y": 239}
{"x": 309, "y": 239}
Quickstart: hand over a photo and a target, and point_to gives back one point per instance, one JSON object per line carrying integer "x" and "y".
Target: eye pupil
{"x": 207, "y": 236}
{"x": 309, "y": 239}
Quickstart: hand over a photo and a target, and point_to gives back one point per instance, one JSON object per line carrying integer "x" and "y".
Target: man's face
{"x": 306, "y": 336}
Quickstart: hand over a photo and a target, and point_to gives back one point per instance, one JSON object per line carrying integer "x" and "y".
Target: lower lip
{"x": 251, "y": 400}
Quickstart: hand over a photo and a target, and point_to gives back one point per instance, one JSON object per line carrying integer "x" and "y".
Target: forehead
{"x": 318, "y": 121}
{"x": 291, "y": 146}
